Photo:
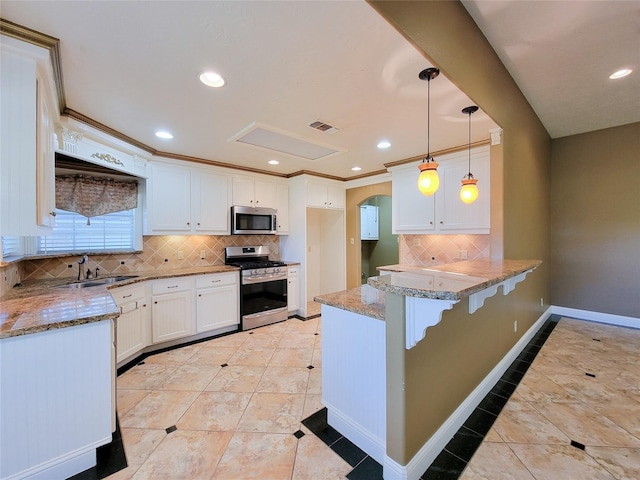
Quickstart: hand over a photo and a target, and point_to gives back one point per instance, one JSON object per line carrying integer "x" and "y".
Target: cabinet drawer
{"x": 127, "y": 294}
{"x": 171, "y": 285}
{"x": 217, "y": 279}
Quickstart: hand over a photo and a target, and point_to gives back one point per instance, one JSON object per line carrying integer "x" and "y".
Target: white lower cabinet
{"x": 171, "y": 309}
{"x": 131, "y": 325}
{"x": 293, "y": 290}
{"x": 217, "y": 301}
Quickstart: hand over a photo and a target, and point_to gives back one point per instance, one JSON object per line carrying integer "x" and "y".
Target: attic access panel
{"x": 269, "y": 139}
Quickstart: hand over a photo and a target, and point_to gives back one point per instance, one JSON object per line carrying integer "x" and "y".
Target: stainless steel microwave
{"x": 253, "y": 220}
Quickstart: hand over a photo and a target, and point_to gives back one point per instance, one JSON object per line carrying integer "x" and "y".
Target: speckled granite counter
{"x": 39, "y": 305}
{"x": 452, "y": 281}
{"x": 364, "y": 300}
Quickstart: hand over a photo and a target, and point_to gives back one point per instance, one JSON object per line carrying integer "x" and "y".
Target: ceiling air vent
{"x": 323, "y": 127}
{"x": 270, "y": 138}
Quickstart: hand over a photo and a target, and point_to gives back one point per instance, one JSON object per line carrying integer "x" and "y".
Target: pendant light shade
{"x": 469, "y": 190}
{"x": 428, "y": 181}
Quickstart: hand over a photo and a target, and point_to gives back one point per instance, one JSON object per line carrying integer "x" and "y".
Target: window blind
{"x": 111, "y": 232}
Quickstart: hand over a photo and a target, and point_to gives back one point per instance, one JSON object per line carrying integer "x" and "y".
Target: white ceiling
{"x": 133, "y": 66}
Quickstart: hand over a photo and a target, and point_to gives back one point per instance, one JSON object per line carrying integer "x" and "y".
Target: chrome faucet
{"x": 84, "y": 259}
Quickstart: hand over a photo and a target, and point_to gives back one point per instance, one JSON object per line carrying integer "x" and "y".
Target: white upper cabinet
{"x": 27, "y": 120}
{"x": 184, "y": 200}
{"x": 282, "y": 195}
{"x": 323, "y": 195}
{"x": 250, "y": 192}
{"x": 209, "y": 207}
{"x": 443, "y": 212}
{"x": 411, "y": 211}
{"x": 369, "y": 226}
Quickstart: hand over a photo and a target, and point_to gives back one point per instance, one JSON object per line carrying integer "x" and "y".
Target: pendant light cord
{"x": 470, "y": 112}
{"x": 428, "y": 117}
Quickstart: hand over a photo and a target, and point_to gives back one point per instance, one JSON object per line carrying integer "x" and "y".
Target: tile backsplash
{"x": 158, "y": 253}
{"x": 428, "y": 250}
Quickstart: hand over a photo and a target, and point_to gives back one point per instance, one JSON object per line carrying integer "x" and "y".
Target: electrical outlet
{"x": 353, "y": 241}
{"x": 203, "y": 254}
{"x": 180, "y": 255}
{"x": 416, "y": 242}
{"x": 457, "y": 255}
{"x": 542, "y": 301}
{"x": 464, "y": 255}
{"x": 515, "y": 326}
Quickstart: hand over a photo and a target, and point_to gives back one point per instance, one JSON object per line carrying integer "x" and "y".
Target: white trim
{"x": 364, "y": 439}
{"x": 608, "y": 318}
{"x": 432, "y": 448}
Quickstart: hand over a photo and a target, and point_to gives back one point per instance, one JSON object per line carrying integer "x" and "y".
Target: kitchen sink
{"x": 98, "y": 281}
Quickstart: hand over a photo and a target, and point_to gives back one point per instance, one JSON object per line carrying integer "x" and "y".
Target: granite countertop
{"x": 452, "y": 281}
{"x": 364, "y": 300}
{"x": 40, "y": 305}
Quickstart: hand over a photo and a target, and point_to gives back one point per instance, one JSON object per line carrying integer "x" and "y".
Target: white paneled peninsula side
{"x": 397, "y": 354}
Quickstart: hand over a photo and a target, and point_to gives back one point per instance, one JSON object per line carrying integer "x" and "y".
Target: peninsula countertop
{"x": 452, "y": 281}
{"x": 41, "y": 305}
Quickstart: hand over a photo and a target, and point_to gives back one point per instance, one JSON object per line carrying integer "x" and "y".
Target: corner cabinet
{"x": 28, "y": 117}
{"x": 184, "y": 200}
{"x": 443, "y": 212}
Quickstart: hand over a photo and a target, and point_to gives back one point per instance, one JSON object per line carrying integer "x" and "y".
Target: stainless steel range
{"x": 263, "y": 286}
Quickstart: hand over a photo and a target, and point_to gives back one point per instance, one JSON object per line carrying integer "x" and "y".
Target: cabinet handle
{"x": 172, "y": 286}
{"x": 215, "y": 281}
{"x": 127, "y": 296}
{"x": 53, "y": 214}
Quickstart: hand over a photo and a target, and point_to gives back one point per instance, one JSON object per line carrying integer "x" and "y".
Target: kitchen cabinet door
{"x": 209, "y": 202}
{"x": 282, "y": 205}
{"x": 130, "y": 330}
{"x": 412, "y": 212}
{"x": 217, "y": 307}
{"x": 45, "y": 163}
{"x": 369, "y": 229}
{"x": 249, "y": 192}
{"x": 452, "y": 213}
{"x": 325, "y": 196}
{"x": 171, "y": 312}
{"x": 293, "y": 290}
{"x": 169, "y": 199}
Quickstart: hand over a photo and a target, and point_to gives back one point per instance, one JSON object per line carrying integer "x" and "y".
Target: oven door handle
{"x": 262, "y": 314}
{"x": 263, "y": 278}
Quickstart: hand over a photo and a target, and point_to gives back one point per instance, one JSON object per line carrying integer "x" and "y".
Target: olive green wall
{"x": 450, "y": 40}
{"x": 383, "y": 251}
{"x": 354, "y": 197}
{"x": 595, "y": 221}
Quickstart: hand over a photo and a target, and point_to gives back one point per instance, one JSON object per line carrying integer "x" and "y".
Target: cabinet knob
{"x": 430, "y": 223}
{"x": 441, "y": 222}
{"x": 53, "y": 214}
{"x": 156, "y": 302}
{"x": 199, "y": 294}
{"x": 198, "y": 223}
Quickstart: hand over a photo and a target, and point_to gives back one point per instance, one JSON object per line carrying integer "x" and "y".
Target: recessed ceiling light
{"x": 273, "y": 162}
{"x": 212, "y": 79}
{"x": 162, "y": 134}
{"x": 620, "y": 73}
{"x": 356, "y": 169}
{"x": 384, "y": 144}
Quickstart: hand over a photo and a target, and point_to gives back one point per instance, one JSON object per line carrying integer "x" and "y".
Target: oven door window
{"x": 264, "y": 296}
{"x": 253, "y": 222}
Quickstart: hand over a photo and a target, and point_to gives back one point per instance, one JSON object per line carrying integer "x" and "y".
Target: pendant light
{"x": 469, "y": 190}
{"x": 428, "y": 181}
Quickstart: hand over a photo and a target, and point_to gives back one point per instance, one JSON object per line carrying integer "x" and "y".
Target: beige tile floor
{"x": 556, "y": 402}
{"x": 236, "y": 422}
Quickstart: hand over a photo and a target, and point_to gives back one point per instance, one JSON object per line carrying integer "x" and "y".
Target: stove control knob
{"x": 277, "y": 269}
{"x": 255, "y": 272}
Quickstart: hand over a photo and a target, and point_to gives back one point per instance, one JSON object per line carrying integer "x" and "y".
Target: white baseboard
{"x": 369, "y": 443}
{"x": 608, "y": 318}
{"x": 430, "y": 450}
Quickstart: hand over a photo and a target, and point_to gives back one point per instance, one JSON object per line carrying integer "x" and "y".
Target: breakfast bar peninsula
{"x": 408, "y": 357}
